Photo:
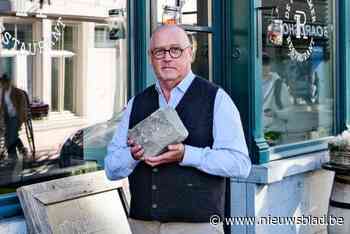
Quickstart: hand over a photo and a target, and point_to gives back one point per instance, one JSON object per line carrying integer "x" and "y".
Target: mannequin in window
{"x": 14, "y": 105}
{"x": 276, "y": 98}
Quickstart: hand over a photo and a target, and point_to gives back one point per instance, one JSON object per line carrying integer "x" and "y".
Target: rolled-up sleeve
{"x": 228, "y": 156}
{"x": 119, "y": 162}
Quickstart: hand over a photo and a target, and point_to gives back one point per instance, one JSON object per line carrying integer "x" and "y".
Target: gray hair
{"x": 175, "y": 28}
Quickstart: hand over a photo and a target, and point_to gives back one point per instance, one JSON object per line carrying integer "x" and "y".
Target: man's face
{"x": 175, "y": 62}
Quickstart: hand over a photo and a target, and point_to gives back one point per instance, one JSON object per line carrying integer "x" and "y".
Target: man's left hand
{"x": 175, "y": 153}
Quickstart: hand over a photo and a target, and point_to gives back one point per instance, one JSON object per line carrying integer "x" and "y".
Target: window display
{"x": 298, "y": 58}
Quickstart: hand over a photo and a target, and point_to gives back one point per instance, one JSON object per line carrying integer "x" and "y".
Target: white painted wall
{"x": 304, "y": 194}
{"x": 283, "y": 188}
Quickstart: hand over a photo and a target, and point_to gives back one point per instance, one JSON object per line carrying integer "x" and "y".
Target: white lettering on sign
{"x": 7, "y": 38}
{"x": 301, "y": 30}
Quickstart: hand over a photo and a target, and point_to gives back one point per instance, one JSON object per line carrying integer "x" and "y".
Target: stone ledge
{"x": 276, "y": 171}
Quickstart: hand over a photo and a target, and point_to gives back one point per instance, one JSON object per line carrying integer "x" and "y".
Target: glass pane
{"x": 8, "y": 35}
{"x": 202, "y": 47}
{"x": 17, "y": 35}
{"x": 62, "y": 37}
{"x": 57, "y": 36}
{"x": 68, "y": 85}
{"x": 68, "y": 38}
{"x": 193, "y": 12}
{"x": 102, "y": 37}
{"x": 298, "y": 70}
{"x": 6, "y": 66}
{"x": 24, "y": 35}
{"x": 88, "y": 87}
{"x": 55, "y": 76}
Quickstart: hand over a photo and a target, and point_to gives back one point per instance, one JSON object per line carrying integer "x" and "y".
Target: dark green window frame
{"x": 140, "y": 74}
{"x": 245, "y": 59}
{"x": 344, "y": 63}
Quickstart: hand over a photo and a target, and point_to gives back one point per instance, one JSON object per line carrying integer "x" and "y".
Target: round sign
{"x": 299, "y": 30}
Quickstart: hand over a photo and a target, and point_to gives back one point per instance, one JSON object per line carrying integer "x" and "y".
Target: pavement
{"x": 45, "y": 162}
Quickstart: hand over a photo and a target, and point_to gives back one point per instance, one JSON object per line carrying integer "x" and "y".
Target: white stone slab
{"x": 86, "y": 203}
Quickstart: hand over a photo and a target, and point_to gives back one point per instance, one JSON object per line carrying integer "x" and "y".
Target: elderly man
{"x": 179, "y": 190}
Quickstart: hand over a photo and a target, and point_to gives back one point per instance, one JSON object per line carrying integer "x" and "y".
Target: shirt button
{"x": 154, "y": 206}
{"x": 155, "y": 170}
{"x": 154, "y": 187}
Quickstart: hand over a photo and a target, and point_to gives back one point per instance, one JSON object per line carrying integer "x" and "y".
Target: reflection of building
{"x": 72, "y": 76}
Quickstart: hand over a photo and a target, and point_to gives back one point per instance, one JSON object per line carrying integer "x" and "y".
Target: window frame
{"x": 140, "y": 71}
{"x": 344, "y": 63}
{"x": 245, "y": 59}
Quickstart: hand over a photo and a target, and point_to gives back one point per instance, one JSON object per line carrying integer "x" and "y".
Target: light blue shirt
{"x": 228, "y": 157}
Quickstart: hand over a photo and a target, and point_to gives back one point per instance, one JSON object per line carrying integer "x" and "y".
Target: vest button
{"x": 155, "y": 170}
{"x": 154, "y": 187}
{"x": 154, "y": 206}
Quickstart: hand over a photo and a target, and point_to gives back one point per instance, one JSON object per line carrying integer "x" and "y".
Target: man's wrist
{"x": 182, "y": 157}
{"x": 183, "y": 153}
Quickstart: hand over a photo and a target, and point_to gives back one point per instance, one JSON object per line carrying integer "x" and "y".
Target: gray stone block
{"x": 160, "y": 129}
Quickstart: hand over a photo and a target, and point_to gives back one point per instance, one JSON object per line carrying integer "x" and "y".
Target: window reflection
{"x": 193, "y": 12}
{"x": 72, "y": 87}
{"x": 202, "y": 54}
{"x": 298, "y": 74}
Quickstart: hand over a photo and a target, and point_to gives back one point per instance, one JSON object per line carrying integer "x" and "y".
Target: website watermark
{"x": 324, "y": 220}
{"x": 7, "y": 39}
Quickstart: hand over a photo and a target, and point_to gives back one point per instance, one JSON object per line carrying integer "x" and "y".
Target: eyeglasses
{"x": 174, "y": 52}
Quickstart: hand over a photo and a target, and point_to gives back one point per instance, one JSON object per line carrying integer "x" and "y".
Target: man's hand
{"x": 175, "y": 154}
{"x": 136, "y": 150}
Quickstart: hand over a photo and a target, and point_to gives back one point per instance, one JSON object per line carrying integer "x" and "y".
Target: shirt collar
{"x": 183, "y": 85}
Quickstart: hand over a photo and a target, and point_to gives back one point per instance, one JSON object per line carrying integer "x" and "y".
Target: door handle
{"x": 236, "y": 53}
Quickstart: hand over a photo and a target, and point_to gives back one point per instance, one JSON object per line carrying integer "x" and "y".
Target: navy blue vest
{"x": 170, "y": 192}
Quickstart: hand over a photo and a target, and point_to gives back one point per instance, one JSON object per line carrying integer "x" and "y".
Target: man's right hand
{"x": 136, "y": 150}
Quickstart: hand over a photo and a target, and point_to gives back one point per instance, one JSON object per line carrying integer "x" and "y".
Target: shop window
{"x": 81, "y": 88}
{"x": 298, "y": 78}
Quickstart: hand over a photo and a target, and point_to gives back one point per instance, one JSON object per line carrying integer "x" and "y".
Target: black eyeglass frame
{"x": 164, "y": 51}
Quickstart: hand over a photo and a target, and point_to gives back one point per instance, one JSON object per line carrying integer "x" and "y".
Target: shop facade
{"x": 247, "y": 47}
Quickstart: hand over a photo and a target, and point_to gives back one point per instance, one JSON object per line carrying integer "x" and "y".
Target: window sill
{"x": 276, "y": 171}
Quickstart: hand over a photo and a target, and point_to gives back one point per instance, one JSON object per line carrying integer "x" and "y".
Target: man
{"x": 13, "y": 105}
{"x": 178, "y": 191}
